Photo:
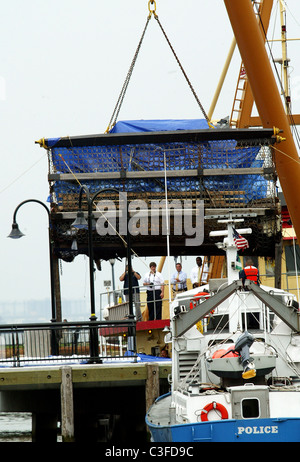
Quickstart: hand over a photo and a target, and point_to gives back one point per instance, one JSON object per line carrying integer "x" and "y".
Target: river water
{"x": 15, "y": 427}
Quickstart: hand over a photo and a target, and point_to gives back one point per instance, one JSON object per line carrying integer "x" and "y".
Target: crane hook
{"x": 154, "y": 9}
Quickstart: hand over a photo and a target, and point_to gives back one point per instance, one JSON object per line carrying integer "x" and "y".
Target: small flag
{"x": 243, "y": 74}
{"x": 238, "y": 263}
{"x": 240, "y": 242}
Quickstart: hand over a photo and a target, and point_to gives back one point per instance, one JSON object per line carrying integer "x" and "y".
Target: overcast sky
{"x": 62, "y": 66}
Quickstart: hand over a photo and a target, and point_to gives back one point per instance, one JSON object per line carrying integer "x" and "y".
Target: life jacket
{"x": 251, "y": 272}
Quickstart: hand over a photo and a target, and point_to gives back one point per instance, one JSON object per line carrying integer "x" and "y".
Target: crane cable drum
{"x": 152, "y": 12}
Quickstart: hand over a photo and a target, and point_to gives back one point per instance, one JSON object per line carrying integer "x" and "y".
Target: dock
{"x": 91, "y": 402}
{"x": 55, "y": 372}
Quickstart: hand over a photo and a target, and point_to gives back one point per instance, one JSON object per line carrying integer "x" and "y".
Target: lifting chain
{"x": 128, "y": 76}
{"x": 125, "y": 85}
{"x": 183, "y": 71}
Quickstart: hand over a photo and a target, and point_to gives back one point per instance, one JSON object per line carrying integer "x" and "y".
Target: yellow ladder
{"x": 214, "y": 265}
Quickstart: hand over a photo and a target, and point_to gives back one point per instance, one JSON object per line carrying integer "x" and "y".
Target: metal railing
{"x": 63, "y": 342}
{"x": 113, "y": 298}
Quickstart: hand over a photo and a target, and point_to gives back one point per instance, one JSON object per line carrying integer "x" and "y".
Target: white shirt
{"x": 182, "y": 280}
{"x": 195, "y": 271}
{"x": 153, "y": 278}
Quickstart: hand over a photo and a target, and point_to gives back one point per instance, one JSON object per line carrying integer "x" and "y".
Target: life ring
{"x": 197, "y": 297}
{"x": 209, "y": 407}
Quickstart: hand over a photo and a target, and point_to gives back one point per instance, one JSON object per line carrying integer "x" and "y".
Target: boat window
{"x": 253, "y": 320}
{"x": 250, "y": 408}
{"x": 290, "y": 259}
{"x": 218, "y": 322}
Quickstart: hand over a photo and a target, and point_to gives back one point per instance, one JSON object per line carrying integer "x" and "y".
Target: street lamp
{"x": 16, "y": 234}
{"x": 131, "y": 330}
{"x": 112, "y": 261}
{"x": 80, "y": 222}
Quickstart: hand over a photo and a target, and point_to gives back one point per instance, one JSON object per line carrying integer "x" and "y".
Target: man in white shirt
{"x": 197, "y": 279}
{"x": 179, "y": 279}
{"x": 155, "y": 292}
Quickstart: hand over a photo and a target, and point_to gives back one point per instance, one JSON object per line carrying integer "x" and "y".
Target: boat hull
{"x": 269, "y": 429}
{"x": 231, "y": 430}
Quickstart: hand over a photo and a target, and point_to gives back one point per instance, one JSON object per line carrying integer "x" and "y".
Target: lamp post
{"x": 112, "y": 261}
{"x": 81, "y": 223}
{"x": 16, "y": 234}
{"x": 131, "y": 330}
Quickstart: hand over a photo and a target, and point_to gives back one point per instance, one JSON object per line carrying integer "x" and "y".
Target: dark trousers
{"x": 154, "y": 303}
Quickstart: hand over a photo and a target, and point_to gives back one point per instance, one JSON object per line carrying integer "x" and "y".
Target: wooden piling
{"x": 78, "y": 396}
{"x": 67, "y": 405}
{"x": 152, "y": 384}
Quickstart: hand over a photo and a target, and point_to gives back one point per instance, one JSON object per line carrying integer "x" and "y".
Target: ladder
{"x": 212, "y": 268}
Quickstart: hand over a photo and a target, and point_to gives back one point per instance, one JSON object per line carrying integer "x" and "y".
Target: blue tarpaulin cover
{"x": 150, "y": 157}
{"x": 127, "y": 126}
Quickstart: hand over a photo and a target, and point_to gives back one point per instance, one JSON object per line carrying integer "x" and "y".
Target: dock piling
{"x": 67, "y": 405}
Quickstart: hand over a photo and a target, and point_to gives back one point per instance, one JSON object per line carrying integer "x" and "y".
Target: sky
{"x": 62, "y": 66}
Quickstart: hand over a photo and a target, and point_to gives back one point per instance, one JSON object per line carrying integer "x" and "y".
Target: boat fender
{"x": 218, "y": 407}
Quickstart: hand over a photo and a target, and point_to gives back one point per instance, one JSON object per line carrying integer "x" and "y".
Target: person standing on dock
{"x": 155, "y": 292}
{"x": 135, "y": 290}
{"x": 179, "y": 280}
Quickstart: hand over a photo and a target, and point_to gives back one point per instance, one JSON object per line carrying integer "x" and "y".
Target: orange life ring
{"x": 222, "y": 409}
{"x": 197, "y": 297}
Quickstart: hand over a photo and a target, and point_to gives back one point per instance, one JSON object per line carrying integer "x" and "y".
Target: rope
{"x": 21, "y": 175}
{"x": 129, "y": 73}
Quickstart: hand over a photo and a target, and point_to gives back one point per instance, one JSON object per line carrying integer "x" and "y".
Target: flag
{"x": 243, "y": 74}
{"x": 240, "y": 242}
{"x": 238, "y": 263}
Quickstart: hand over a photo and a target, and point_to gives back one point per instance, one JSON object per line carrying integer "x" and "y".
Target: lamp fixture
{"x": 80, "y": 222}
{"x": 15, "y": 232}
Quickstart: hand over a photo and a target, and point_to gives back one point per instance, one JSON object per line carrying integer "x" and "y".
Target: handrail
{"x": 30, "y": 343}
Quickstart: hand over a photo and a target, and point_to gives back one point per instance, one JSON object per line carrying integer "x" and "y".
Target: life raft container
{"x": 222, "y": 353}
{"x": 218, "y": 407}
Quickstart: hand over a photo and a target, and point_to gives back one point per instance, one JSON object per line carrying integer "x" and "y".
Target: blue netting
{"x": 150, "y": 157}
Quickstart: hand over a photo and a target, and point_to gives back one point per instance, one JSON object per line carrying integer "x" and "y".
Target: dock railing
{"x": 66, "y": 342}
{"x": 113, "y": 302}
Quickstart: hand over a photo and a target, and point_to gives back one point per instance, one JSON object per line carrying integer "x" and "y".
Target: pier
{"x": 90, "y": 399}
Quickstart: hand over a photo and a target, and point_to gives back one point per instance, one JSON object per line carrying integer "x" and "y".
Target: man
{"x": 249, "y": 272}
{"x": 197, "y": 279}
{"x": 179, "y": 279}
{"x": 135, "y": 290}
{"x": 155, "y": 291}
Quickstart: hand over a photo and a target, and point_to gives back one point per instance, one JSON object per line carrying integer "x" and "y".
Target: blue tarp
{"x": 150, "y": 157}
{"x": 128, "y": 126}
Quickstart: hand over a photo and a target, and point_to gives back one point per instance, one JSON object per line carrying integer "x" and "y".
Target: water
{"x": 15, "y": 427}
